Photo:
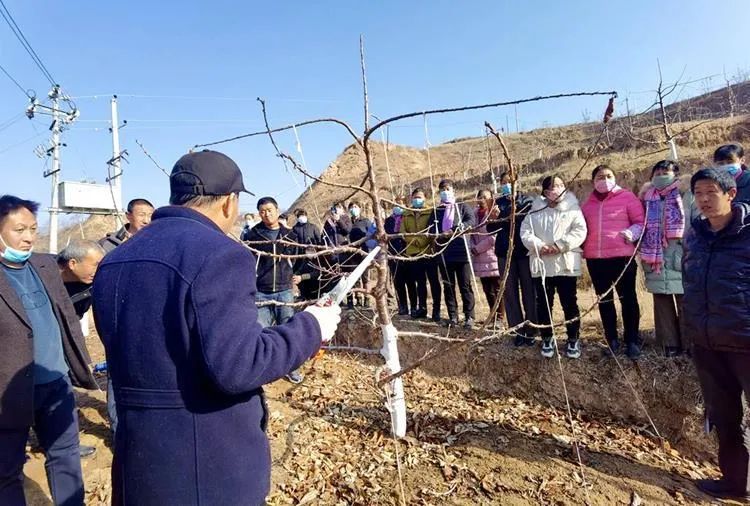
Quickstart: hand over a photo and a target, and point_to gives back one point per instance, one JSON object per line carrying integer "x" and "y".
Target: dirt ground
{"x": 331, "y": 444}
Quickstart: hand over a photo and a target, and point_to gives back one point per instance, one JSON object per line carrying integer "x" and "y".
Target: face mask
{"x": 604, "y": 185}
{"x": 302, "y": 219}
{"x": 354, "y": 211}
{"x": 505, "y": 190}
{"x": 732, "y": 168}
{"x": 249, "y": 223}
{"x": 14, "y": 256}
{"x": 417, "y": 203}
{"x": 397, "y": 211}
{"x": 447, "y": 196}
{"x": 661, "y": 182}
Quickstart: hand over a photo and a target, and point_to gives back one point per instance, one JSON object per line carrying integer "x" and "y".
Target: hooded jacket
{"x": 716, "y": 277}
{"x": 563, "y": 226}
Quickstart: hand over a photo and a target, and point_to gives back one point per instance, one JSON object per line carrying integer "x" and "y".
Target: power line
{"x": 24, "y": 91}
{"x": 25, "y": 42}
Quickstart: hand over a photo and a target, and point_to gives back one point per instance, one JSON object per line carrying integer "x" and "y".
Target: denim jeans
{"x": 274, "y": 314}
{"x": 111, "y": 407}
{"x": 56, "y": 427}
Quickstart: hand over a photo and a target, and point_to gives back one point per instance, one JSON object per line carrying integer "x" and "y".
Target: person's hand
{"x": 296, "y": 279}
{"x": 627, "y": 235}
{"x": 328, "y": 318}
{"x": 549, "y": 250}
{"x": 494, "y": 213}
{"x": 474, "y": 251}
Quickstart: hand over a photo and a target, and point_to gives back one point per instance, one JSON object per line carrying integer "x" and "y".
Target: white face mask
{"x": 302, "y": 219}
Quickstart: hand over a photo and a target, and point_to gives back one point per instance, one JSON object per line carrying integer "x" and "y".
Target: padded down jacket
{"x": 716, "y": 277}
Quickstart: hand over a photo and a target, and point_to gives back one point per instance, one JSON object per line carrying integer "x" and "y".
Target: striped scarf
{"x": 665, "y": 220}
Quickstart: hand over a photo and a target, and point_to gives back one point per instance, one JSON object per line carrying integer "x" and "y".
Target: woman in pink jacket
{"x": 614, "y": 218}
{"x": 483, "y": 258}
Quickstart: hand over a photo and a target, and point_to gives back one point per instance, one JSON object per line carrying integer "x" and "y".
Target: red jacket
{"x": 606, "y": 218}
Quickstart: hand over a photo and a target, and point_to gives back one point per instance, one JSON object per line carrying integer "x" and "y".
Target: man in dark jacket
{"x": 455, "y": 264}
{"x": 274, "y": 274}
{"x": 78, "y": 262}
{"x": 138, "y": 215}
{"x": 335, "y": 233}
{"x": 520, "y": 295}
{"x": 175, "y": 307}
{"x": 306, "y": 232}
{"x": 716, "y": 319}
{"x": 43, "y": 354}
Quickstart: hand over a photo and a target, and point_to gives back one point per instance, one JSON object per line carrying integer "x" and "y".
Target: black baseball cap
{"x": 206, "y": 173}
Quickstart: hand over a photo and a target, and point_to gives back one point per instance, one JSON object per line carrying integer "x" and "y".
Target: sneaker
{"x": 294, "y": 377}
{"x": 469, "y": 323}
{"x": 573, "y": 350}
{"x": 520, "y": 340}
{"x": 613, "y": 348}
{"x": 414, "y": 312}
{"x": 422, "y": 313}
{"x": 633, "y": 351}
{"x": 452, "y": 321}
{"x": 402, "y": 311}
{"x": 548, "y": 349}
{"x": 530, "y": 341}
{"x": 86, "y": 451}
{"x": 436, "y": 316}
{"x": 721, "y": 490}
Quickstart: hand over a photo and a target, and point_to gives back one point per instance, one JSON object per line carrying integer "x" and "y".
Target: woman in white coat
{"x": 553, "y": 232}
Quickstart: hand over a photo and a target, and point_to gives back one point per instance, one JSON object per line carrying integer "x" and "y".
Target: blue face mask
{"x": 354, "y": 211}
{"x": 14, "y": 256}
{"x": 397, "y": 211}
{"x": 505, "y": 189}
{"x": 732, "y": 168}
{"x": 417, "y": 203}
{"x": 446, "y": 196}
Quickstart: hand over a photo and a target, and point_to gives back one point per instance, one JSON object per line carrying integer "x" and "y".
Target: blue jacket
{"x": 716, "y": 279}
{"x": 455, "y": 248}
{"x": 175, "y": 308}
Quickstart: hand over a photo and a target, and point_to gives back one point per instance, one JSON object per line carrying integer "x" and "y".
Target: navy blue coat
{"x": 716, "y": 279}
{"x": 175, "y": 308}
{"x": 501, "y": 226}
{"x": 455, "y": 247}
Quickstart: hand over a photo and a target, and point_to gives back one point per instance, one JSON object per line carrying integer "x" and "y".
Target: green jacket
{"x": 669, "y": 279}
{"x": 414, "y": 222}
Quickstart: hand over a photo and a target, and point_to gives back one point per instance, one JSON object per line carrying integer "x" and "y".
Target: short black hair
{"x": 138, "y": 201}
{"x": 418, "y": 189}
{"x": 283, "y": 216}
{"x": 666, "y": 165}
{"x": 445, "y": 182}
{"x": 733, "y": 151}
{"x": 267, "y": 200}
{"x": 600, "y": 168}
{"x": 10, "y": 204}
{"x": 502, "y": 175}
{"x": 354, "y": 203}
{"x": 548, "y": 181}
{"x": 720, "y": 177}
{"x": 300, "y": 212}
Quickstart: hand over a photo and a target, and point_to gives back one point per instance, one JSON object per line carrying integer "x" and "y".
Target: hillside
{"x": 631, "y": 145}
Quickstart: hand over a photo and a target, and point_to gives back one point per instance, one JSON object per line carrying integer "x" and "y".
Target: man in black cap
{"x": 175, "y": 307}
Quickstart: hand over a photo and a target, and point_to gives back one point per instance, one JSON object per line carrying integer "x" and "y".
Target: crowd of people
{"x": 194, "y": 323}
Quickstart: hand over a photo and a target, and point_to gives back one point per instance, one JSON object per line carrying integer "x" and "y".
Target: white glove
{"x": 328, "y": 319}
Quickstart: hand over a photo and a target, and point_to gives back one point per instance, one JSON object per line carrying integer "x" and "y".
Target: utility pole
{"x": 116, "y": 162}
{"x": 54, "y": 95}
{"x": 60, "y": 118}
{"x": 515, "y": 108}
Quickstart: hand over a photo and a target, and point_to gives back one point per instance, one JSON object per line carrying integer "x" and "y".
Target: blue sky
{"x": 303, "y": 58}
